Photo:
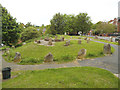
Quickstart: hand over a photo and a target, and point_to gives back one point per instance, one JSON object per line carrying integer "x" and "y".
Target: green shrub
{"x": 29, "y": 33}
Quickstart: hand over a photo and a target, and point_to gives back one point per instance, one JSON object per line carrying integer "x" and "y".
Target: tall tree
{"x": 57, "y": 24}
{"x": 83, "y": 23}
{"x": 10, "y": 30}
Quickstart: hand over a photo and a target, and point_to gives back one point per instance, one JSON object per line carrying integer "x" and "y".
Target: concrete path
{"x": 109, "y": 63}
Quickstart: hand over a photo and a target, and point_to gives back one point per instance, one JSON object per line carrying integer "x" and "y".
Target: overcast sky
{"x": 40, "y": 12}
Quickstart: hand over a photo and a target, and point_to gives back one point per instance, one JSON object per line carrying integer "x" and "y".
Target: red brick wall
{"x": 118, "y": 27}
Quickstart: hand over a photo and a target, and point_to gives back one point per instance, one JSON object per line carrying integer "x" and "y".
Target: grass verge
{"x": 74, "y": 77}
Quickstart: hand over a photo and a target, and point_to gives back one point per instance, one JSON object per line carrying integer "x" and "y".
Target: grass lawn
{"x": 74, "y": 77}
{"x": 32, "y": 53}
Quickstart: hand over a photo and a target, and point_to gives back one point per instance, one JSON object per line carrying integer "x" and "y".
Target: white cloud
{"x": 41, "y": 11}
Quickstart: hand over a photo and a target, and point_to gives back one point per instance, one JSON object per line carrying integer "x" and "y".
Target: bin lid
{"x": 5, "y": 69}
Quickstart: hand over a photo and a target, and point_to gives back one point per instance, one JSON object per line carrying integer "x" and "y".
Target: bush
{"x": 29, "y": 33}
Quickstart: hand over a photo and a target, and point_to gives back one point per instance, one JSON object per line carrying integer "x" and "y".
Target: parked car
{"x": 117, "y": 38}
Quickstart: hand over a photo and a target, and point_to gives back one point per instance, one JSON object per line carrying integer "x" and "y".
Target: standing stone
{"x": 17, "y": 57}
{"x": 82, "y": 53}
{"x": 50, "y": 41}
{"x": 88, "y": 40}
{"x": 48, "y": 58}
{"x": 67, "y": 43}
{"x": 38, "y": 41}
{"x": 79, "y": 41}
{"x": 55, "y": 39}
{"x": 62, "y": 39}
{"x": 107, "y": 49}
{"x": 85, "y": 38}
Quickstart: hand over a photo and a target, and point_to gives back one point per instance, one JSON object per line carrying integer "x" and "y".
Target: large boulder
{"x": 48, "y": 58}
{"x": 17, "y": 57}
{"x": 67, "y": 43}
{"x": 79, "y": 41}
{"x": 82, "y": 53}
{"x": 107, "y": 49}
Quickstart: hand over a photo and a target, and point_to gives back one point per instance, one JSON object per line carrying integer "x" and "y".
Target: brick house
{"x": 116, "y": 22}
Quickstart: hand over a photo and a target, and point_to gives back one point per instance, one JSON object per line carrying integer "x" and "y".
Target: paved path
{"x": 108, "y": 62}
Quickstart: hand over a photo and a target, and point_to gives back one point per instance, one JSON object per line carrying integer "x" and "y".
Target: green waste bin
{"x": 6, "y": 73}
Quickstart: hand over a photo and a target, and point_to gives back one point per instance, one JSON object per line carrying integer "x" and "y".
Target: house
{"x": 116, "y": 22}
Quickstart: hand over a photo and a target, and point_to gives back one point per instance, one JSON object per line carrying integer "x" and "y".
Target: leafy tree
{"x": 57, "y": 24}
{"x": 103, "y": 27}
{"x": 70, "y": 23}
{"x": 29, "y": 33}
{"x": 10, "y": 28}
{"x": 83, "y": 23}
{"x": 28, "y": 24}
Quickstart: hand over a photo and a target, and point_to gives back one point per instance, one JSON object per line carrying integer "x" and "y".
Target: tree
{"x": 28, "y": 24}
{"x": 57, "y": 24}
{"x": 29, "y": 33}
{"x": 10, "y": 28}
{"x": 83, "y": 23}
{"x": 104, "y": 27}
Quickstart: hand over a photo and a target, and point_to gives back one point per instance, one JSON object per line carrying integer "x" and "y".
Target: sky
{"x": 40, "y": 12}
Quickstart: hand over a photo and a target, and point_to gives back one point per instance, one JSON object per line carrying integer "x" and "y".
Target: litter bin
{"x": 6, "y": 73}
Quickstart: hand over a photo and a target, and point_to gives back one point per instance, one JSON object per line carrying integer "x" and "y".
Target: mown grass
{"x": 74, "y": 77}
{"x": 32, "y": 53}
